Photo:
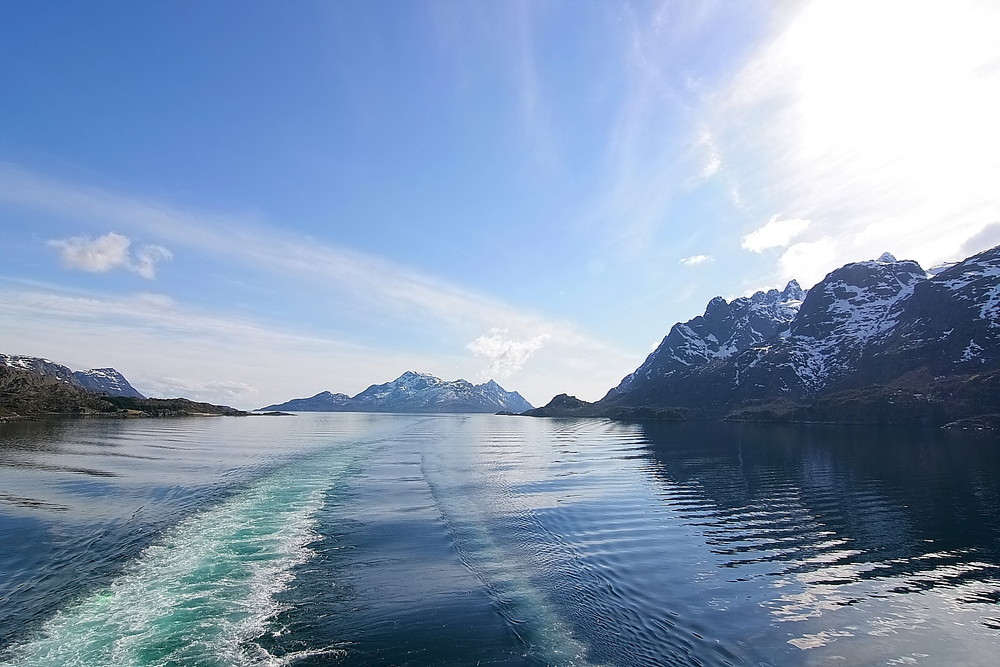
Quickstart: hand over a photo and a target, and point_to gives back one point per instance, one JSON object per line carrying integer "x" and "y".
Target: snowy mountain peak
{"x": 410, "y": 375}
{"x": 726, "y": 329}
{"x": 886, "y": 258}
{"x": 853, "y": 302}
{"x": 106, "y": 381}
{"x": 716, "y": 305}
{"x": 793, "y": 291}
{"x": 415, "y": 392}
{"x": 408, "y": 382}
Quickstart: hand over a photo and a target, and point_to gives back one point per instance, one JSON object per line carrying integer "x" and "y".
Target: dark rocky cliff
{"x": 873, "y": 342}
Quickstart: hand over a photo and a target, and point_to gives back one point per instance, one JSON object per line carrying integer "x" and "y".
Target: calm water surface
{"x": 351, "y": 539}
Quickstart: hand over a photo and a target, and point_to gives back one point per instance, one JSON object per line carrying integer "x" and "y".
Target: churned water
{"x": 351, "y": 539}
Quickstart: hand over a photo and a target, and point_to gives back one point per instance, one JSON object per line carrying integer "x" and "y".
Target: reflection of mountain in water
{"x": 903, "y": 510}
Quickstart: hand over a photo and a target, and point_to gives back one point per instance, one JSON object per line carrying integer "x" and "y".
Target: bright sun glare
{"x": 886, "y": 132}
{"x": 900, "y": 81}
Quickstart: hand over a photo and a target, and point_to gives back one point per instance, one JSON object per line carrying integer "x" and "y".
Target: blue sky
{"x": 246, "y": 202}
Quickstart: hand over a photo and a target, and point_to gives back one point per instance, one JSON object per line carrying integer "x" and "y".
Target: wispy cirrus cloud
{"x": 713, "y": 161}
{"x": 109, "y": 252}
{"x": 695, "y": 260}
{"x": 645, "y": 153}
{"x": 660, "y": 151}
{"x": 157, "y": 312}
{"x": 381, "y": 290}
{"x": 389, "y": 287}
{"x": 535, "y": 114}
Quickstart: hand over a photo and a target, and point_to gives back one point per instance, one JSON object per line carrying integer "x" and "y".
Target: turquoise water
{"x": 459, "y": 540}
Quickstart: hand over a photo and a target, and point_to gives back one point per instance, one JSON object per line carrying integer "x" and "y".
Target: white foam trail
{"x": 201, "y": 593}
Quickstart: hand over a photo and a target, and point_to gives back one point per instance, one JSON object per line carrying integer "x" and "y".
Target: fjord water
{"x": 355, "y": 539}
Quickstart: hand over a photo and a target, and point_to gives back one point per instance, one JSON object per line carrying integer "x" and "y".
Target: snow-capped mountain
{"x": 725, "y": 329}
{"x": 494, "y": 394}
{"x": 874, "y": 341}
{"x": 40, "y": 366}
{"x": 415, "y": 392}
{"x": 951, "y": 323}
{"x": 105, "y": 381}
{"x": 841, "y": 318}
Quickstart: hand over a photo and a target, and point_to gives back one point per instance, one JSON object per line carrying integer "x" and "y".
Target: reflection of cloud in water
{"x": 818, "y": 639}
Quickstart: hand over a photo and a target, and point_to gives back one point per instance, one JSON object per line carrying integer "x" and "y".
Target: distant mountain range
{"x": 880, "y": 341}
{"x": 414, "y": 392}
{"x": 33, "y": 387}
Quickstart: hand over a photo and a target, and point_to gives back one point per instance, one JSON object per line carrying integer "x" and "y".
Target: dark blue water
{"x": 352, "y": 539}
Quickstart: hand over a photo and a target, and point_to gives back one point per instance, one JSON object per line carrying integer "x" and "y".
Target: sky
{"x": 247, "y": 202}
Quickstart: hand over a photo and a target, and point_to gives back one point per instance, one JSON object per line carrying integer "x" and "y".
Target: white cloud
{"x": 109, "y": 252}
{"x": 808, "y": 263}
{"x": 776, "y": 233}
{"x": 506, "y": 354}
{"x": 695, "y": 260}
{"x": 98, "y": 255}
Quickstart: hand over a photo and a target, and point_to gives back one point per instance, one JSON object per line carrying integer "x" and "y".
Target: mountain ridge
{"x": 107, "y": 381}
{"x": 879, "y": 341}
{"x": 726, "y": 328}
{"x": 414, "y": 392}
